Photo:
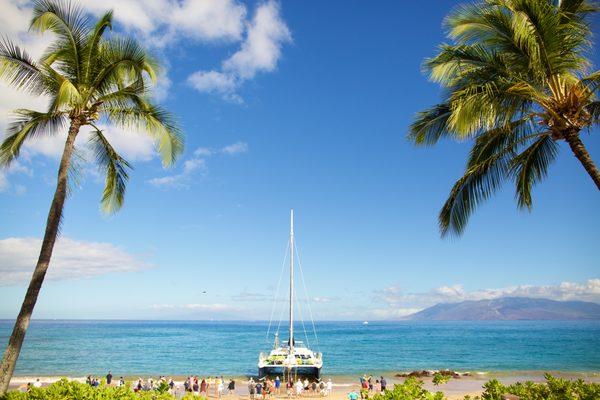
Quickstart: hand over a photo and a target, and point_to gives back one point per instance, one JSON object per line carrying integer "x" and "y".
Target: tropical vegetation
{"x": 517, "y": 81}
{"x": 410, "y": 389}
{"x": 91, "y": 79}
{"x": 552, "y": 389}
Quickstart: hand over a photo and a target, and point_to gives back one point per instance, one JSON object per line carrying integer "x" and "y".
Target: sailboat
{"x": 292, "y": 357}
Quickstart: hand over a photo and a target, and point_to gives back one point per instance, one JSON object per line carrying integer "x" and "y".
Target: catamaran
{"x": 293, "y": 357}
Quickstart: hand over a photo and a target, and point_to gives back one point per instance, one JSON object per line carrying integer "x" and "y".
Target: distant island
{"x": 509, "y": 309}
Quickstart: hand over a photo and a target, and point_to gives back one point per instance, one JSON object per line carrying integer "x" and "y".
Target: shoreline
{"x": 456, "y": 388}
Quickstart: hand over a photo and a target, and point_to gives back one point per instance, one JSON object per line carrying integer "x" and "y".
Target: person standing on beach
{"x": 251, "y": 388}
{"x": 277, "y": 384}
{"x": 329, "y": 387}
{"x": 220, "y": 388}
{"x": 231, "y": 386}
{"x": 109, "y": 378}
{"x": 299, "y": 388}
{"x": 259, "y": 389}
{"x": 383, "y": 383}
{"x": 121, "y": 381}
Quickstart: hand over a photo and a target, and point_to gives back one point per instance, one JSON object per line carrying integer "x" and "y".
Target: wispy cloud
{"x": 15, "y": 168}
{"x": 198, "y": 162}
{"x": 259, "y": 52}
{"x": 162, "y": 22}
{"x": 71, "y": 259}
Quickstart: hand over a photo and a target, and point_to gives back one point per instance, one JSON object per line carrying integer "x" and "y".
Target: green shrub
{"x": 71, "y": 390}
{"x": 553, "y": 389}
{"x": 440, "y": 379}
{"x": 411, "y": 389}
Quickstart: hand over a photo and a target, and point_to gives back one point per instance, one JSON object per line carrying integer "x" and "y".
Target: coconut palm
{"x": 89, "y": 78}
{"x": 516, "y": 81}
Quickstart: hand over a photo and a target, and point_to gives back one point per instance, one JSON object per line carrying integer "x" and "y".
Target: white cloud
{"x": 259, "y": 52}
{"x": 397, "y": 299}
{"x": 262, "y": 47}
{"x": 193, "y": 164}
{"x": 324, "y": 299}
{"x": 197, "y": 162}
{"x": 215, "y": 82}
{"x": 203, "y": 152}
{"x": 71, "y": 259}
{"x": 236, "y": 148}
{"x": 16, "y": 167}
{"x": 165, "y": 21}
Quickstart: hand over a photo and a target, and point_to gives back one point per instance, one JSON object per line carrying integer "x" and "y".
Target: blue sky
{"x": 311, "y": 115}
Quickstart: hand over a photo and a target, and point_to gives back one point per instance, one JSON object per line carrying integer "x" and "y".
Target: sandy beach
{"x": 455, "y": 389}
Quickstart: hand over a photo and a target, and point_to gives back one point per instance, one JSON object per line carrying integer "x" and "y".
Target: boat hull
{"x": 280, "y": 370}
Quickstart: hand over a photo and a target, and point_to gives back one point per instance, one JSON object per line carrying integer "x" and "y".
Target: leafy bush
{"x": 440, "y": 379}
{"x": 71, "y": 390}
{"x": 411, "y": 389}
{"x": 553, "y": 389}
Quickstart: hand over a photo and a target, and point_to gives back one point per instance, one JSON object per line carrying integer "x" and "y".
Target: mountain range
{"x": 509, "y": 308}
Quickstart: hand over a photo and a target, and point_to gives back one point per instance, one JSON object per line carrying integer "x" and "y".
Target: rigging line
{"x": 302, "y": 320}
{"x": 312, "y": 320}
{"x": 277, "y": 291}
{"x": 283, "y": 307}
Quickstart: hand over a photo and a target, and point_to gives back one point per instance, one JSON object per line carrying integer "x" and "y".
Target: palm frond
{"x": 66, "y": 96}
{"x": 115, "y": 167}
{"x": 121, "y": 62}
{"x": 155, "y": 121}
{"x": 476, "y": 185}
{"x": 430, "y": 125}
{"x": 531, "y": 166}
{"x": 18, "y": 69}
{"x": 495, "y": 141}
{"x": 593, "y": 109}
{"x": 93, "y": 42}
{"x": 69, "y": 23}
{"x": 28, "y": 124}
{"x": 479, "y": 182}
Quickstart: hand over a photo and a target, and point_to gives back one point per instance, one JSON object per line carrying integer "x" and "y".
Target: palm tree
{"x": 516, "y": 81}
{"x": 88, "y": 78}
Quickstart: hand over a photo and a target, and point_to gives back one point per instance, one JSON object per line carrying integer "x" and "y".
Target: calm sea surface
{"x": 231, "y": 348}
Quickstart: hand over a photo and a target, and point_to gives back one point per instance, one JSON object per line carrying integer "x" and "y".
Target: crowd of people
{"x": 257, "y": 390}
{"x": 367, "y": 387}
{"x": 267, "y": 387}
{"x": 203, "y": 386}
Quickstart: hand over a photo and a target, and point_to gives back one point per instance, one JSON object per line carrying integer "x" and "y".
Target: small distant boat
{"x": 366, "y": 323}
{"x": 292, "y": 358}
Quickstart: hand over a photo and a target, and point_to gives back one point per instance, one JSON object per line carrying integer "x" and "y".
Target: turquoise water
{"x": 231, "y": 348}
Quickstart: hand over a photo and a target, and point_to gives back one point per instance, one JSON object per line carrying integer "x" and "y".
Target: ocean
{"x": 78, "y": 348}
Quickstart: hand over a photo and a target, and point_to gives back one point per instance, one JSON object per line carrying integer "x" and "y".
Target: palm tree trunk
{"x": 9, "y": 360}
{"x": 583, "y": 156}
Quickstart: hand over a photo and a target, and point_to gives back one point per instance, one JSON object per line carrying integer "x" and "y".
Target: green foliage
{"x": 411, "y": 389}
{"x": 440, "y": 379}
{"x": 553, "y": 389}
{"x": 90, "y": 76}
{"x": 71, "y": 390}
{"x": 516, "y": 79}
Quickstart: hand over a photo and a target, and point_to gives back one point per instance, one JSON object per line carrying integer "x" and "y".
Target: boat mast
{"x": 292, "y": 281}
